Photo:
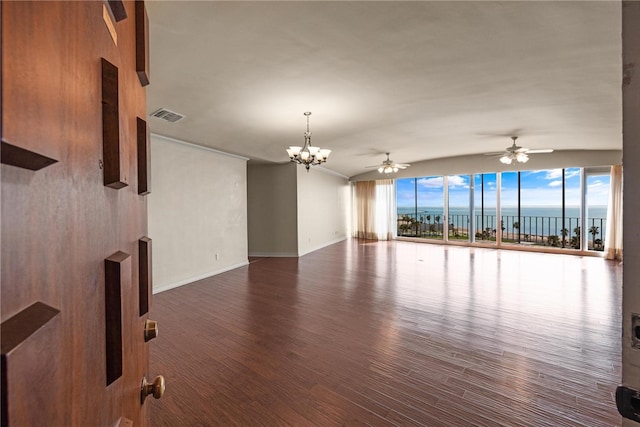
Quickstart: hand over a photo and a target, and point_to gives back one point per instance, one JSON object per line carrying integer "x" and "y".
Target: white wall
{"x": 197, "y": 209}
{"x": 272, "y": 210}
{"x": 323, "y": 209}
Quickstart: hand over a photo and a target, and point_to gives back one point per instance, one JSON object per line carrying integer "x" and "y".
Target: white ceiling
{"x": 422, "y": 80}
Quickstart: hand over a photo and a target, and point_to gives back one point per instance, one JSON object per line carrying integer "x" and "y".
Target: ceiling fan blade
{"x": 540, "y": 151}
{"x": 374, "y": 166}
{"x": 401, "y": 165}
{"x": 495, "y": 153}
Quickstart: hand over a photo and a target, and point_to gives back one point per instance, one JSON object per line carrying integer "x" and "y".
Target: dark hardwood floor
{"x": 393, "y": 333}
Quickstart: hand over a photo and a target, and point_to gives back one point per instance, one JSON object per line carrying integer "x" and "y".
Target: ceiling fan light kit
{"x": 519, "y": 154}
{"x": 387, "y": 169}
{"x": 507, "y": 159}
{"x": 307, "y": 155}
{"x": 389, "y": 166}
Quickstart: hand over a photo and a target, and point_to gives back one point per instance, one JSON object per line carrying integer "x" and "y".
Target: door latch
{"x": 628, "y": 403}
{"x": 150, "y": 330}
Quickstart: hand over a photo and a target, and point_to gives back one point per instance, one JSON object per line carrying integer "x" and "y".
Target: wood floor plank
{"x": 393, "y": 334}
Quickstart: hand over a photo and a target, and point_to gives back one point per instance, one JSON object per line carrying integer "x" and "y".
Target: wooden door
{"x": 75, "y": 252}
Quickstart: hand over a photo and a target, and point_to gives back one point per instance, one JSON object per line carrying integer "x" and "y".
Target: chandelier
{"x": 513, "y": 156}
{"x": 308, "y": 155}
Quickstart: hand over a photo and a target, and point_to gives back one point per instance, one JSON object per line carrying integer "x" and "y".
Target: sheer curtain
{"x": 613, "y": 242}
{"x": 364, "y": 210}
{"x": 385, "y": 209}
{"x": 373, "y": 210}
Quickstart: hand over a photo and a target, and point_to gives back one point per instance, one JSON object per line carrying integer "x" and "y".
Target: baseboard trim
{"x": 196, "y": 278}
{"x": 324, "y": 245}
{"x": 296, "y": 254}
{"x": 274, "y": 254}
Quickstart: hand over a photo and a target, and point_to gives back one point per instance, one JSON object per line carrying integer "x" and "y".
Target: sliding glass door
{"x": 430, "y": 191}
{"x": 572, "y": 209}
{"x": 485, "y": 205}
{"x": 407, "y": 206}
{"x": 509, "y": 206}
{"x": 597, "y": 196}
{"x": 458, "y": 208}
{"x": 539, "y": 219}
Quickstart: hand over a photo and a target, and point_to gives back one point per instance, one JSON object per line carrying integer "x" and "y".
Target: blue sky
{"x": 538, "y": 188}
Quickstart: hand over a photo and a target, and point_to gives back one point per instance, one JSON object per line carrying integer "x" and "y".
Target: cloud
{"x": 598, "y": 192}
{"x": 433, "y": 182}
{"x": 557, "y": 183}
{"x": 553, "y": 174}
{"x": 458, "y": 181}
{"x": 438, "y": 181}
{"x": 571, "y": 172}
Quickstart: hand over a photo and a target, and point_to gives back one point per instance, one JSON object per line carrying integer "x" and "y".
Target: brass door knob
{"x": 156, "y": 388}
{"x": 150, "y": 330}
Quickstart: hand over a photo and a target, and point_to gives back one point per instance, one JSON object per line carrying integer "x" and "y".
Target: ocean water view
{"x": 535, "y": 220}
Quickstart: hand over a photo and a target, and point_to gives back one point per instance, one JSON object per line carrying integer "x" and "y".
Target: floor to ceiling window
{"x": 430, "y": 194}
{"x": 509, "y": 204}
{"x": 526, "y": 208}
{"x": 485, "y": 208}
{"x": 458, "y": 208}
{"x": 407, "y": 207}
{"x": 573, "y": 211}
{"x": 597, "y": 196}
{"x": 547, "y": 208}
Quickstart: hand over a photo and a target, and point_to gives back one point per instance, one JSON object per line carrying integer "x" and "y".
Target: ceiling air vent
{"x": 167, "y": 115}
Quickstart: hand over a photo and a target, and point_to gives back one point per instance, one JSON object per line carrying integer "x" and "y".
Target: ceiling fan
{"x": 517, "y": 153}
{"x": 389, "y": 166}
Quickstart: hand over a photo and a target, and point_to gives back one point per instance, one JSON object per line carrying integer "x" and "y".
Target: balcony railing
{"x": 530, "y": 230}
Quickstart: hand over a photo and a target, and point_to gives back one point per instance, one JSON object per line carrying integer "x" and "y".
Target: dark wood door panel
{"x": 29, "y": 339}
{"x": 60, "y": 223}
